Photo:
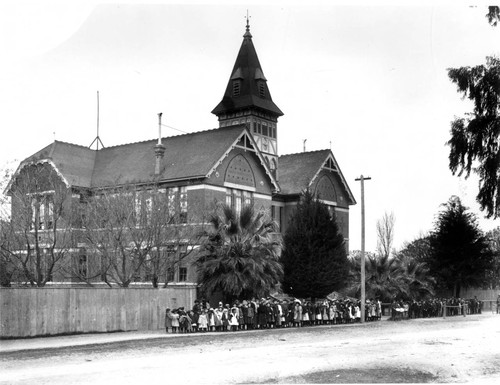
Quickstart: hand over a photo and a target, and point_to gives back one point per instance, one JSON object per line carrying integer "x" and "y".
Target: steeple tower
{"x": 247, "y": 100}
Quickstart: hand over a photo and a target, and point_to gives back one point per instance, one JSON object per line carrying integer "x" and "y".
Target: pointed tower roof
{"x": 253, "y": 90}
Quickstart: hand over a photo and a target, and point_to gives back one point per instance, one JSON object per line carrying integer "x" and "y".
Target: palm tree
{"x": 388, "y": 277}
{"x": 240, "y": 255}
{"x": 384, "y": 277}
{"x": 418, "y": 283}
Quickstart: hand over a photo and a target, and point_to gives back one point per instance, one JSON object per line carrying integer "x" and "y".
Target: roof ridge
{"x": 71, "y": 144}
{"x": 305, "y": 152}
{"x": 174, "y": 136}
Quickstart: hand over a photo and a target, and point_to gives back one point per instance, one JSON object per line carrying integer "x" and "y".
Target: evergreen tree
{"x": 314, "y": 256}
{"x": 475, "y": 139}
{"x": 461, "y": 256}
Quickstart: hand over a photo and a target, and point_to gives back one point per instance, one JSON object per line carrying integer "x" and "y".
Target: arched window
{"x": 239, "y": 172}
{"x": 325, "y": 189}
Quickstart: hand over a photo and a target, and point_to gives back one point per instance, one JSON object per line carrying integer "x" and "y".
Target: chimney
{"x": 159, "y": 148}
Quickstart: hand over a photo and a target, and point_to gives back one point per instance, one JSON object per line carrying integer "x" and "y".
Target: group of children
{"x": 434, "y": 307}
{"x": 268, "y": 313}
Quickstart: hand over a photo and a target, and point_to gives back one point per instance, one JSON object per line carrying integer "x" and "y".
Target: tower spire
{"x": 247, "y": 33}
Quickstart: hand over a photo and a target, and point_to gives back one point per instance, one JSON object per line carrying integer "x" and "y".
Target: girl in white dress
{"x": 233, "y": 319}
{"x": 203, "y": 321}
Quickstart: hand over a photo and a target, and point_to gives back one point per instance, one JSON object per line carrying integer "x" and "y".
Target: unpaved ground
{"x": 455, "y": 349}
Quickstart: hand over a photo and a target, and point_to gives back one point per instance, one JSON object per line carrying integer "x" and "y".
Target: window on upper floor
{"x": 170, "y": 274}
{"x": 264, "y": 129}
{"x": 236, "y": 87}
{"x": 182, "y": 274}
{"x": 42, "y": 212}
{"x": 177, "y": 204}
{"x": 262, "y": 89}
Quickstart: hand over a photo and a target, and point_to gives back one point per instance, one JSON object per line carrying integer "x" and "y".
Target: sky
{"x": 367, "y": 80}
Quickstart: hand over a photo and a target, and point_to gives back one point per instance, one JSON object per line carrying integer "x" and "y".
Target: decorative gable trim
{"x": 246, "y": 142}
{"x": 42, "y": 161}
{"x": 330, "y": 164}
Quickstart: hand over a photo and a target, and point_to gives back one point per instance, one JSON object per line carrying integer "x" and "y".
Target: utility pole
{"x": 363, "y": 299}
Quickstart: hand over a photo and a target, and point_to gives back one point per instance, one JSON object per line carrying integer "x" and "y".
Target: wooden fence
{"x": 29, "y": 312}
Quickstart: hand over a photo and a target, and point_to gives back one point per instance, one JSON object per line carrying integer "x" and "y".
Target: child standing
{"x": 203, "y": 321}
{"x": 233, "y": 319}
{"x": 168, "y": 319}
{"x": 175, "y": 321}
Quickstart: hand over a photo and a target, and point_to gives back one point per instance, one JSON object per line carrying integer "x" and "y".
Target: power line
{"x": 176, "y": 129}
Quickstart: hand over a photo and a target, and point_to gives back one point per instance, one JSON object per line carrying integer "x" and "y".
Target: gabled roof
{"x": 75, "y": 163}
{"x": 189, "y": 156}
{"x": 186, "y": 157}
{"x": 248, "y": 70}
{"x": 298, "y": 171}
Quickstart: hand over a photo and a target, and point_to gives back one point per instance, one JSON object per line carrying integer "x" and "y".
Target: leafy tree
{"x": 475, "y": 138}
{"x": 240, "y": 254}
{"x": 493, "y": 15}
{"x": 493, "y": 274}
{"x": 461, "y": 255}
{"x": 419, "y": 249}
{"x": 314, "y": 256}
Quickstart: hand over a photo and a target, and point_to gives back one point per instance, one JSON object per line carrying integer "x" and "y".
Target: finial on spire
{"x": 247, "y": 33}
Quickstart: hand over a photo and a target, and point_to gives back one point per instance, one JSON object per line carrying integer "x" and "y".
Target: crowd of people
{"x": 268, "y": 313}
{"x": 435, "y": 307}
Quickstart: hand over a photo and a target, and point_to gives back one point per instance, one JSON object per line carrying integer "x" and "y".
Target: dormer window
{"x": 236, "y": 87}
{"x": 262, "y": 89}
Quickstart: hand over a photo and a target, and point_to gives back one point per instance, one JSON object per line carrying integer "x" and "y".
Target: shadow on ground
{"x": 358, "y": 376}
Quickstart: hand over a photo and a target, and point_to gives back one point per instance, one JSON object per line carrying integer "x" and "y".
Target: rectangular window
{"x": 49, "y": 218}
{"x": 237, "y": 201}
{"x": 170, "y": 274}
{"x": 264, "y": 129}
{"x": 148, "y": 208}
{"x": 46, "y": 265}
{"x": 183, "y": 203}
{"x": 182, "y": 274}
{"x": 42, "y": 212}
{"x": 276, "y": 212}
{"x": 33, "y": 214}
{"x": 259, "y": 128}
{"x": 254, "y": 126}
{"x": 247, "y": 198}
{"x": 41, "y": 216}
{"x": 82, "y": 266}
{"x": 138, "y": 206}
{"x": 172, "y": 202}
{"x": 229, "y": 197}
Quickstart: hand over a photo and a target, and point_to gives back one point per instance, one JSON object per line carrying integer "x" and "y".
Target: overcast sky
{"x": 369, "y": 81}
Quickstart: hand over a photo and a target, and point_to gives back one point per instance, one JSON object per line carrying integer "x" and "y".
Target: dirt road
{"x": 455, "y": 349}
